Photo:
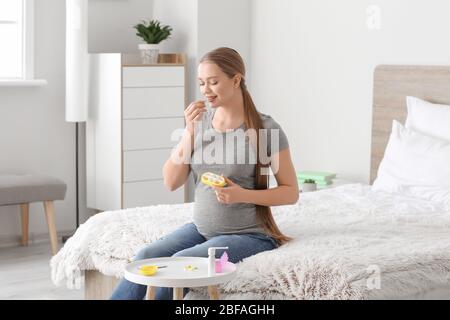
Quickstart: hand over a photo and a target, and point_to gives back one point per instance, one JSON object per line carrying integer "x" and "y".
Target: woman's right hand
{"x": 192, "y": 113}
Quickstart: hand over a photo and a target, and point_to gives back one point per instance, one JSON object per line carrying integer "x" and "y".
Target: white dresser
{"x": 133, "y": 111}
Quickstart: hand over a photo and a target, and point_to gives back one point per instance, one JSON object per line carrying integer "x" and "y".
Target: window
{"x": 16, "y": 44}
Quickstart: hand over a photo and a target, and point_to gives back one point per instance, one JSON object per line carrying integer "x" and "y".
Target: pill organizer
{"x": 213, "y": 180}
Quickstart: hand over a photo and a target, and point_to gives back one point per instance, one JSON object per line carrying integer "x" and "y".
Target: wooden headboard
{"x": 391, "y": 86}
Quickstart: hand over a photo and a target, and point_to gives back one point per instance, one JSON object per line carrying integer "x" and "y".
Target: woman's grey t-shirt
{"x": 234, "y": 161}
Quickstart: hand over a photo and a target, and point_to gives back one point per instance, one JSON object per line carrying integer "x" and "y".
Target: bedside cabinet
{"x": 336, "y": 183}
{"x": 133, "y": 110}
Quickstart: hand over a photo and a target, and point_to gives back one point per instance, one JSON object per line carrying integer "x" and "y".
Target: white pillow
{"x": 415, "y": 165}
{"x": 428, "y": 118}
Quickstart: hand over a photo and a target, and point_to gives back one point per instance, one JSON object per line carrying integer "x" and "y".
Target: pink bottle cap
{"x": 218, "y": 266}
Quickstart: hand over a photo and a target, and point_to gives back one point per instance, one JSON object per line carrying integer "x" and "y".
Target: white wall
{"x": 111, "y": 24}
{"x": 34, "y": 138}
{"x": 224, "y": 24}
{"x": 312, "y": 67}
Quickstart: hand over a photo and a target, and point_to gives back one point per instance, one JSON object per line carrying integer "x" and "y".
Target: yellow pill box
{"x": 148, "y": 270}
{"x": 213, "y": 180}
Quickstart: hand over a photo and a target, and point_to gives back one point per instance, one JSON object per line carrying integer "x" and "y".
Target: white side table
{"x": 175, "y": 276}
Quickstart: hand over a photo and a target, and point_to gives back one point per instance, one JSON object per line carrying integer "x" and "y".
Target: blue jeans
{"x": 188, "y": 242}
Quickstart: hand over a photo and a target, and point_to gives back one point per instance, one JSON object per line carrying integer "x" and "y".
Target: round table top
{"x": 175, "y": 275}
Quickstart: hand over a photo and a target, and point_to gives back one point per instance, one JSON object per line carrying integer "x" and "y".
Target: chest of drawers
{"x": 133, "y": 111}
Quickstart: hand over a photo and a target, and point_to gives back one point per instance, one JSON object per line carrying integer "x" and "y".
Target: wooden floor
{"x": 25, "y": 275}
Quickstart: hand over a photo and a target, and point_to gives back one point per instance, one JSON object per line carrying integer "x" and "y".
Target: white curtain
{"x": 77, "y": 60}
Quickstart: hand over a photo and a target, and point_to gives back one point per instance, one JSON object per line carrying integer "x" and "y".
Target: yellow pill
{"x": 190, "y": 268}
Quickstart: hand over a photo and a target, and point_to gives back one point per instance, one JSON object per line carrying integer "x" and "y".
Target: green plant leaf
{"x": 152, "y": 32}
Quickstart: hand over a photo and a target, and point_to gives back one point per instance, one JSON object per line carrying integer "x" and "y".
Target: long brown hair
{"x": 231, "y": 63}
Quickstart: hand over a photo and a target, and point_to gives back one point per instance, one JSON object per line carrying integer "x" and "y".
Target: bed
{"x": 350, "y": 242}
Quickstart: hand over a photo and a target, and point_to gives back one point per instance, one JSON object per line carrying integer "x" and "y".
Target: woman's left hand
{"x": 231, "y": 193}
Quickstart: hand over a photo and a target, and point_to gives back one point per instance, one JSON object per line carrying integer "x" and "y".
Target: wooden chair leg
{"x": 24, "y": 212}
{"x": 50, "y": 215}
{"x": 213, "y": 292}
{"x": 177, "y": 293}
{"x": 151, "y": 293}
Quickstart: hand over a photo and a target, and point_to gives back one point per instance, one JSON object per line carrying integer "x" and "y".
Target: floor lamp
{"x": 77, "y": 74}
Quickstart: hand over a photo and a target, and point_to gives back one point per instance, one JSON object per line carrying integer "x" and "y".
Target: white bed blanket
{"x": 349, "y": 243}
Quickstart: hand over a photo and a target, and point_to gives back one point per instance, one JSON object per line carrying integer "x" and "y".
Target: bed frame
{"x": 391, "y": 85}
{"x": 98, "y": 286}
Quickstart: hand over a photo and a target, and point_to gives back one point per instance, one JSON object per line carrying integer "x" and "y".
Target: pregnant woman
{"x": 231, "y": 139}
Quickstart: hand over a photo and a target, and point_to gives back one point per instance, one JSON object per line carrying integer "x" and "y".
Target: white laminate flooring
{"x": 25, "y": 275}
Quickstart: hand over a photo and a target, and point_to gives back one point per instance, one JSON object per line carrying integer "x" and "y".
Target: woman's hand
{"x": 230, "y": 194}
{"x": 194, "y": 113}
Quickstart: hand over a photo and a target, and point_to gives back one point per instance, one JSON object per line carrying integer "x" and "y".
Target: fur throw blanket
{"x": 349, "y": 243}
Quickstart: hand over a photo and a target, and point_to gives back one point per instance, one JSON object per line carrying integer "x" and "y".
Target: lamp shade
{"x": 77, "y": 60}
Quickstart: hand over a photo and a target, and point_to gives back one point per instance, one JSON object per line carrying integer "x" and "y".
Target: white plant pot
{"x": 149, "y": 53}
{"x": 306, "y": 187}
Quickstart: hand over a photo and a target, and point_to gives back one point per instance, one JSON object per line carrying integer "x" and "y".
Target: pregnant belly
{"x": 212, "y": 217}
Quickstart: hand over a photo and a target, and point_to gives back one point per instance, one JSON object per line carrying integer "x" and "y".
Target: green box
{"x": 316, "y": 175}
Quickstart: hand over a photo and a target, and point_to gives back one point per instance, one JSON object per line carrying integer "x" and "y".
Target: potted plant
{"x": 152, "y": 33}
{"x": 309, "y": 185}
